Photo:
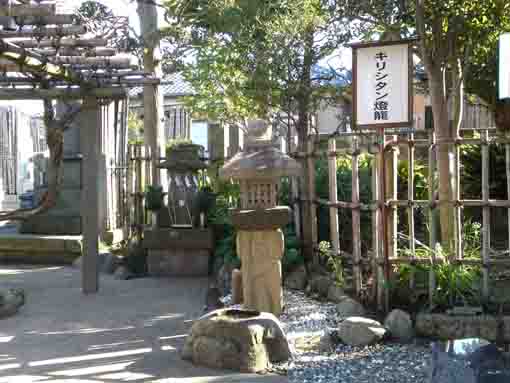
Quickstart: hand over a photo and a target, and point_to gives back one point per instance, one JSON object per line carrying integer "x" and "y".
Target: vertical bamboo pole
{"x": 457, "y": 207}
{"x": 138, "y": 189}
{"x": 129, "y": 193}
{"x": 431, "y": 217}
{"x": 148, "y": 162}
{"x": 507, "y": 167}
{"x": 333, "y": 198}
{"x": 311, "y": 198}
{"x": 294, "y": 183}
{"x": 485, "y": 214}
{"x": 383, "y": 224}
{"x": 356, "y": 229}
{"x": 410, "y": 209}
{"x": 378, "y": 261}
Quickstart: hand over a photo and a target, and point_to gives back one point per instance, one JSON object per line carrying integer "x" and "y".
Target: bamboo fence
{"x": 385, "y": 202}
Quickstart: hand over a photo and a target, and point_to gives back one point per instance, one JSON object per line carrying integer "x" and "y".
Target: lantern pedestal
{"x": 260, "y": 245}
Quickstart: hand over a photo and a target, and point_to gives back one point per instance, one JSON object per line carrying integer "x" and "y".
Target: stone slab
{"x": 263, "y": 219}
{"x": 34, "y": 249}
{"x": 178, "y": 262}
{"x": 179, "y": 238}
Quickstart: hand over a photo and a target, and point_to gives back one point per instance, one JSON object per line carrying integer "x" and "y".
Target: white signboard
{"x": 504, "y": 66}
{"x": 382, "y": 85}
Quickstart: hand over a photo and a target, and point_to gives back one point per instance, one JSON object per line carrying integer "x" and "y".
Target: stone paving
{"x": 130, "y": 331}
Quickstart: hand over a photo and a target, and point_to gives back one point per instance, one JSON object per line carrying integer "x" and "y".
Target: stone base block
{"x": 446, "y": 327}
{"x": 178, "y": 262}
{"x": 241, "y": 340}
{"x": 34, "y": 249}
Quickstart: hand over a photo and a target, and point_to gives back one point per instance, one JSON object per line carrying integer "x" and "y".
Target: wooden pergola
{"x": 50, "y": 56}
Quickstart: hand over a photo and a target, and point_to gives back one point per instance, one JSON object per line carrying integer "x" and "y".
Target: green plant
{"x": 455, "y": 283}
{"x": 292, "y": 256}
{"x": 471, "y": 238}
{"x": 176, "y": 142}
{"x": 154, "y": 197}
{"x": 135, "y": 129}
{"x": 333, "y": 261}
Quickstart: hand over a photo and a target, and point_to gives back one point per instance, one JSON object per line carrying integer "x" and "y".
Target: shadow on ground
{"x": 130, "y": 331}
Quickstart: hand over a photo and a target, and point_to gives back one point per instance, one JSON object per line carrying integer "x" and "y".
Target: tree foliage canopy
{"x": 252, "y": 58}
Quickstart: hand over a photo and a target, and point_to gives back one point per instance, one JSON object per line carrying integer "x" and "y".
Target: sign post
{"x": 382, "y": 99}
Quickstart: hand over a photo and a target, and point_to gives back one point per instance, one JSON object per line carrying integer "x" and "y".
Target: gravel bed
{"x": 386, "y": 362}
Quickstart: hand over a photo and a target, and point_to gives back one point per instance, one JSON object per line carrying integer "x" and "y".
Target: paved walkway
{"x": 129, "y": 332}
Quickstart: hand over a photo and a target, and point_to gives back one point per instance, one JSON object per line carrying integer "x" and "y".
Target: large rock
{"x": 296, "y": 280}
{"x": 10, "y": 302}
{"x": 348, "y": 307}
{"x": 241, "y": 340}
{"x": 320, "y": 284}
{"x": 336, "y": 293}
{"x": 470, "y": 360}
{"x": 358, "y": 331}
{"x": 400, "y": 325}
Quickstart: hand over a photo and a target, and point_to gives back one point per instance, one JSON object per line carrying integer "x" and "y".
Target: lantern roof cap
{"x": 265, "y": 163}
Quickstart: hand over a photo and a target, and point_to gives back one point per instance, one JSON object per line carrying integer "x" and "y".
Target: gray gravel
{"x": 387, "y": 362}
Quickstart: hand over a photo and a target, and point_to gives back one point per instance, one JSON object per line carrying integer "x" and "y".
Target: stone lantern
{"x": 260, "y": 243}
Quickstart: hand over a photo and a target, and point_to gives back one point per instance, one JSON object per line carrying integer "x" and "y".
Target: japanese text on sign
{"x": 381, "y": 87}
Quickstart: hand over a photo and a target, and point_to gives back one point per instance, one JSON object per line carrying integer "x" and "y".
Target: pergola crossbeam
{"x": 61, "y": 93}
{"x": 65, "y": 42}
{"x": 45, "y": 20}
{"x": 85, "y": 52}
{"x": 28, "y": 10}
{"x": 58, "y": 31}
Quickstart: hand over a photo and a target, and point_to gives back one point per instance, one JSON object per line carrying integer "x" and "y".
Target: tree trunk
{"x": 152, "y": 98}
{"x": 445, "y": 158}
{"x": 302, "y": 127}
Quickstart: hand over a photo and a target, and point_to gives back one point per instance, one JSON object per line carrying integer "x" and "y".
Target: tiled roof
{"x": 172, "y": 85}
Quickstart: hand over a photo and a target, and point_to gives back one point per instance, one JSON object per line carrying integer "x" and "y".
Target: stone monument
{"x": 180, "y": 244}
{"x": 65, "y": 217}
{"x": 260, "y": 243}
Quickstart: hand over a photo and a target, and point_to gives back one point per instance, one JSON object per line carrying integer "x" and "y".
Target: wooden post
{"x": 410, "y": 209}
{"x": 90, "y": 141}
{"x": 356, "y": 224}
{"x": 378, "y": 258}
{"x": 333, "y": 198}
{"x": 485, "y": 215}
{"x": 431, "y": 217}
{"x": 383, "y": 226}
{"x": 391, "y": 175}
